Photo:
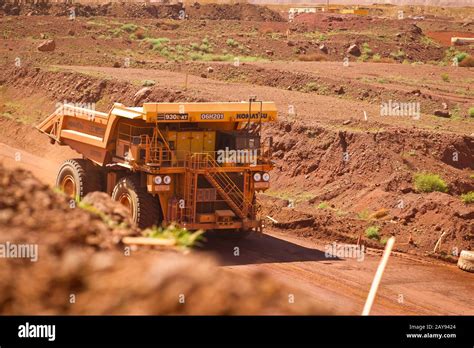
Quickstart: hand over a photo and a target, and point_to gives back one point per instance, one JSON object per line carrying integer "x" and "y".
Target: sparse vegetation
{"x": 376, "y": 58}
{"x": 323, "y": 205}
{"x": 148, "y": 83}
{"x": 461, "y": 56}
{"x": 205, "y": 46}
{"x": 456, "y": 112}
{"x": 372, "y": 232}
{"x": 129, "y": 27}
{"x": 399, "y": 55}
{"x": 470, "y": 112}
{"x": 426, "y": 182}
{"x": 310, "y": 87}
{"x": 366, "y": 52}
{"x": 317, "y": 36}
{"x": 468, "y": 198}
{"x": 428, "y": 41}
{"x": 363, "y": 215}
{"x": 158, "y": 43}
{"x": 93, "y": 210}
{"x": 445, "y": 77}
{"x": 181, "y": 236}
{"x": 116, "y": 32}
{"x": 232, "y": 43}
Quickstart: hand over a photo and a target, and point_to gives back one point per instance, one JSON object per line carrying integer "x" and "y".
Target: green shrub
{"x": 148, "y": 83}
{"x": 376, "y": 57}
{"x": 158, "y": 43}
{"x": 310, "y": 87}
{"x": 366, "y": 52}
{"x": 426, "y": 182}
{"x": 471, "y": 112}
{"x": 116, "y": 32}
{"x": 372, "y": 232}
{"x": 129, "y": 28}
{"x": 205, "y": 48}
{"x": 460, "y": 56}
{"x": 231, "y": 43}
{"x": 445, "y": 77}
{"x": 323, "y": 205}
{"x": 468, "y": 198}
{"x": 363, "y": 215}
{"x": 400, "y": 54}
{"x": 181, "y": 236}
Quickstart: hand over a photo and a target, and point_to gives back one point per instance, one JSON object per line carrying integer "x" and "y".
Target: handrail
{"x": 226, "y": 184}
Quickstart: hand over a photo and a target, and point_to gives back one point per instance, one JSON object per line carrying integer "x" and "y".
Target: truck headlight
{"x": 257, "y": 177}
{"x": 167, "y": 180}
{"x": 266, "y": 177}
{"x": 158, "y": 180}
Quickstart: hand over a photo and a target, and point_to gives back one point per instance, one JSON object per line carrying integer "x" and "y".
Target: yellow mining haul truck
{"x": 197, "y": 165}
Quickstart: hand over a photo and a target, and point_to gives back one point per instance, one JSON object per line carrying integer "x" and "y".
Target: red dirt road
{"x": 410, "y": 285}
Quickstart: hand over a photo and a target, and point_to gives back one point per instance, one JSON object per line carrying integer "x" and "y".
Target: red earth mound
{"x": 80, "y": 266}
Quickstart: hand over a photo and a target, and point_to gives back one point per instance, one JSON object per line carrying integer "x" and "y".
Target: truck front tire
{"x": 77, "y": 177}
{"x": 144, "y": 209}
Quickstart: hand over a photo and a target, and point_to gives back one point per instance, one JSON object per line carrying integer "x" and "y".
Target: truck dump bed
{"x": 90, "y": 132}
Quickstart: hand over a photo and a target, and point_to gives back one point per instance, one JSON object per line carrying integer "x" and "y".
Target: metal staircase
{"x": 204, "y": 163}
{"x": 226, "y": 188}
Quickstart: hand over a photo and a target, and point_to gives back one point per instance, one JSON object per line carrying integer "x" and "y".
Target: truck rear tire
{"x": 77, "y": 177}
{"x": 144, "y": 209}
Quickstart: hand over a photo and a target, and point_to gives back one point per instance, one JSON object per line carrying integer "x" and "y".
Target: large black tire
{"x": 77, "y": 177}
{"x": 466, "y": 261}
{"x": 144, "y": 208}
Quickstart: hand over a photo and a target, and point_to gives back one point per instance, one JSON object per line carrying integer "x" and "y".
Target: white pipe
{"x": 378, "y": 276}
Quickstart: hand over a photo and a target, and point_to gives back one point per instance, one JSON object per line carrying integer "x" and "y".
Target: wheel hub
{"x": 126, "y": 201}
{"x": 68, "y": 186}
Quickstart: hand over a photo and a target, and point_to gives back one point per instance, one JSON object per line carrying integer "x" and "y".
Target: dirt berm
{"x": 246, "y": 12}
{"x": 83, "y": 269}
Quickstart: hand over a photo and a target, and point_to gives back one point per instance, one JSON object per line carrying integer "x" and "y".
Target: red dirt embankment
{"x": 353, "y": 180}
